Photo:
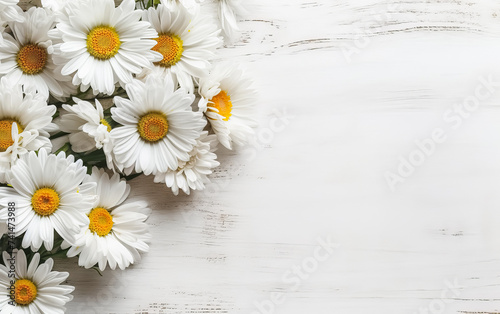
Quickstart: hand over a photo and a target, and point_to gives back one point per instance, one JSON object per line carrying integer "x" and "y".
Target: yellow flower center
{"x": 103, "y": 42}
{"x": 101, "y": 221}
{"x": 153, "y": 126}
{"x": 106, "y": 124}
{"x": 6, "y": 139}
{"x": 222, "y": 101}
{"x": 45, "y": 201}
{"x": 32, "y": 59}
{"x": 25, "y": 291}
{"x": 170, "y": 46}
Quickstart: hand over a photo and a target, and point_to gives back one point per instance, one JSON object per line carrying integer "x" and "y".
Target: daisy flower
{"x": 26, "y": 56}
{"x": 49, "y": 195}
{"x": 36, "y": 288}
{"x": 227, "y": 100}
{"x": 186, "y": 40}
{"x": 193, "y": 173}
{"x": 87, "y": 127}
{"x": 159, "y": 128}
{"x": 117, "y": 231}
{"x": 25, "y": 121}
{"x": 104, "y": 45}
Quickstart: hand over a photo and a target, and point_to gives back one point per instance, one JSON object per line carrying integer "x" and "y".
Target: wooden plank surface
{"x": 347, "y": 90}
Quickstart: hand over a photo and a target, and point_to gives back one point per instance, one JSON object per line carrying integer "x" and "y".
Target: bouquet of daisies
{"x": 93, "y": 94}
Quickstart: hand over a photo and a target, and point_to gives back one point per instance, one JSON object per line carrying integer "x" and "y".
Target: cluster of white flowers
{"x": 91, "y": 93}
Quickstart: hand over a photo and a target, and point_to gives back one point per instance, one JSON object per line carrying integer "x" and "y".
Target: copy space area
{"x": 372, "y": 186}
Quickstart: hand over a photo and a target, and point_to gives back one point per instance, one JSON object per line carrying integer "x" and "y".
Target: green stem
{"x": 131, "y": 176}
{"x": 65, "y": 148}
{"x": 58, "y": 135}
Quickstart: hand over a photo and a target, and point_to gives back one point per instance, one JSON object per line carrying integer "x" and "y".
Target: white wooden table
{"x": 347, "y": 90}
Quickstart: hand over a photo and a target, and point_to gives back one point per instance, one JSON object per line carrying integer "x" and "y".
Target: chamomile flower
{"x": 117, "y": 231}
{"x": 25, "y": 123}
{"x": 103, "y": 45}
{"x": 193, "y": 174}
{"x": 36, "y": 289}
{"x": 49, "y": 195}
{"x": 229, "y": 104}
{"x": 88, "y": 128}
{"x": 26, "y": 56}
{"x": 186, "y": 39}
{"x": 159, "y": 127}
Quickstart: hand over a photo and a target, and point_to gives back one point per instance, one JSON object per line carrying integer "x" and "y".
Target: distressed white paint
{"x": 323, "y": 174}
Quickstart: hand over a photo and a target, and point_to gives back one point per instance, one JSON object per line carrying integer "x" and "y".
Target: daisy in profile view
{"x": 88, "y": 129}
{"x": 37, "y": 289}
{"x": 193, "y": 174}
{"x": 228, "y": 101}
{"x": 25, "y": 123}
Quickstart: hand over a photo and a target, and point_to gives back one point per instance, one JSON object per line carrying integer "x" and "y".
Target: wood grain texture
{"x": 345, "y": 89}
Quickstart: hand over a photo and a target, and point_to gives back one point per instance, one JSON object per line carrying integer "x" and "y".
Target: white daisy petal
{"x": 9, "y": 11}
